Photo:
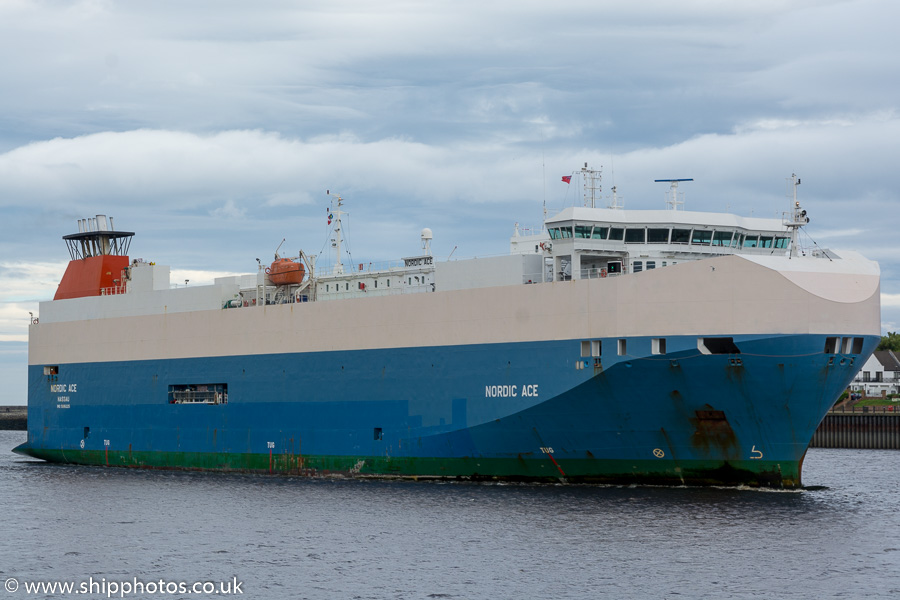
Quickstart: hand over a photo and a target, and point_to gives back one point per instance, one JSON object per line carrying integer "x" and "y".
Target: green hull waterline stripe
{"x": 738, "y": 472}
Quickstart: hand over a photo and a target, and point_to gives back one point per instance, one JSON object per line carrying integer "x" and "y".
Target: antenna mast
{"x": 614, "y": 201}
{"x": 797, "y": 217}
{"x": 673, "y": 202}
{"x": 591, "y": 179}
{"x": 334, "y": 214}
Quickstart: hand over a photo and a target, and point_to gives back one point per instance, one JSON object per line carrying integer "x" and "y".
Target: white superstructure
{"x": 578, "y": 243}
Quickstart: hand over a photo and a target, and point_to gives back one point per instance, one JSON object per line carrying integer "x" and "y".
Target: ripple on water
{"x": 321, "y": 538}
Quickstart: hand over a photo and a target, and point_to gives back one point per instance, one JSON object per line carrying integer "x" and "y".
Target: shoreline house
{"x": 880, "y": 376}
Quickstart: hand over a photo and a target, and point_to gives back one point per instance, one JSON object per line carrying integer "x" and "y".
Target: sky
{"x": 213, "y": 129}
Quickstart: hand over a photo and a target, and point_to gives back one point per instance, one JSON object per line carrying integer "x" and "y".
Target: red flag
{"x": 567, "y": 178}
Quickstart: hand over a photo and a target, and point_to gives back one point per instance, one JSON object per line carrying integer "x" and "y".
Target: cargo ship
{"x": 610, "y": 346}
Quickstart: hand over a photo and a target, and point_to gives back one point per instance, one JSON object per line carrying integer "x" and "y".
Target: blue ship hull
{"x": 522, "y": 411}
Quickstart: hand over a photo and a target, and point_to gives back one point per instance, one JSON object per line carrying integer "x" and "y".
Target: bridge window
{"x": 600, "y": 233}
{"x": 565, "y": 232}
{"x": 701, "y": 237}
{"x": 583, "y": 231}
{"x": 658, "y": 236}
{"x": 751, "y": 241}
{"x": 554, "y": 233}
{"x": 722, "y": 238}
{"x": 635, "y": 236}
{"x": 681, "y": 236}
{"x": 781, "y": 242}
{"x": 617, "y": 233}
{"x": 765, "y": 242}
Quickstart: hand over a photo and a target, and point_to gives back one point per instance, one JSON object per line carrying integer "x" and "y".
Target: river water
{"x": 273, "y": 537}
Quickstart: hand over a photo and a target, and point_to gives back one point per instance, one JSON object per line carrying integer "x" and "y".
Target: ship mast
{"x": 797, "y": 217}
{"x": 673, "y": 202}
{"x": 334, "y": 214}
{"x": 614, "y": 202}
{"x": 591, "y": 179}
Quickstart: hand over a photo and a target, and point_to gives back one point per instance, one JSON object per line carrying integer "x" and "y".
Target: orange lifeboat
{"x": 284, "y": 271}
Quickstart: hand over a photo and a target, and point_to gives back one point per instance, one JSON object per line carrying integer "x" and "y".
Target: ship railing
{"x": 895, "y": 410}
{"x": 196, "y": 397}
{"x": 112, "y": 290}
{"x": 371, "y": 291}
{"x": 594, "y": 273}
{"x": 373, "y": 267}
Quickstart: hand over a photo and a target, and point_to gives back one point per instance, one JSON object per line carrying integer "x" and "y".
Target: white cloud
{"x": 827, "y": 234}
{"x": 15, "y": 318}
{"x": 229, "y": 211}
{"x": 22, "y": 280}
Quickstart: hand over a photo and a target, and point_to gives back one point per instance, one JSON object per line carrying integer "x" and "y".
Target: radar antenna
{"x": 673, "y": 201}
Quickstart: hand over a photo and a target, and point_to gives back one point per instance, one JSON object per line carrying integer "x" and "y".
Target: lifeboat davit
{"x": 284, "y": 271}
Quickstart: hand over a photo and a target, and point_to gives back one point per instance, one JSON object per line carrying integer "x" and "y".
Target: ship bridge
{"x": 588, "y": 242}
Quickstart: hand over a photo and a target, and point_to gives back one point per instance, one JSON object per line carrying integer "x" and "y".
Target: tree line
{"x": 891, "y": 341}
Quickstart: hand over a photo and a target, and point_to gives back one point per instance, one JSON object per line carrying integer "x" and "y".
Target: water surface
{"x": 326, "y": 538}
